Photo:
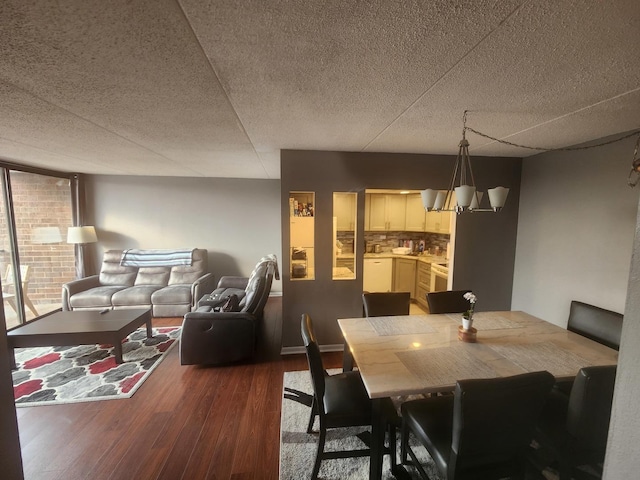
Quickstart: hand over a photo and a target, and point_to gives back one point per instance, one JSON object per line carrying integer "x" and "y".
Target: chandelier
{"x": 462, "y": 195}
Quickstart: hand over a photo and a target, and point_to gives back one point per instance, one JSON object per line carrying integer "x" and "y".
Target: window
{"x": 35, "y": 260}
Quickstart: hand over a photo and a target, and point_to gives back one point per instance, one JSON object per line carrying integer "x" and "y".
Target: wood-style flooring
{"x": 185, "y": 422}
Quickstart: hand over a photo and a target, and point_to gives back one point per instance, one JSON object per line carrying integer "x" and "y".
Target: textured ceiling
{"x": 216, "y": 88}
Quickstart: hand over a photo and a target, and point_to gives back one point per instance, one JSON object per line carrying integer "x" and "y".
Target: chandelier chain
{"x": 505, "y": 142}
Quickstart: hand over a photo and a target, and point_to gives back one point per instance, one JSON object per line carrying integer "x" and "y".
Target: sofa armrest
{"x": 229, "y": 281}
{"x": 201, "y": 287}
{"x": 76, "y": 286}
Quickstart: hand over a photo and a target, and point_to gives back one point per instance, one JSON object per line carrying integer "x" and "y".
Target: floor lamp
{"x": 81, "y": 236}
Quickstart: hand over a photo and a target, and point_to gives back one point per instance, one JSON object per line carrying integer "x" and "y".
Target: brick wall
{"x": 40, "y": 201}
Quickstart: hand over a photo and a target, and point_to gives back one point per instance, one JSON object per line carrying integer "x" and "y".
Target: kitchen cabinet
{"x": 423, "y": 283}
{"x": 301, "y": 235}
{"x": 377, "y": 275}
{"x": 387, "y": 212}
{"x": 415, "y": 213}
{"x": 438, "y": 222}
{"x": 344, "y": 208}
{"x": 404, "y": 276}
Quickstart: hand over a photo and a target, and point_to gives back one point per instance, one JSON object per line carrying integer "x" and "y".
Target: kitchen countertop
{"x": 418, "y": 258}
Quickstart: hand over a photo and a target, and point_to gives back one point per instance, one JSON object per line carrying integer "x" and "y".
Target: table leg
{"x": 377, "y": 440}
{"x": 117, "y": 351}
{"x": 347, "y": 358}
{"x": 149, "y": 330}
{"x": 12, "y": 358}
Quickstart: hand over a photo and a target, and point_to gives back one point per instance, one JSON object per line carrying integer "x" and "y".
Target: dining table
{"x": 403, "y": 355}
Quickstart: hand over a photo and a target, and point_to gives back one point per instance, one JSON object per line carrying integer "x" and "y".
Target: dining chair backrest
{"x": 449, "y": 301}
{"x": 494, "y": 420}
{"x": 589, "y": 408}
{"x": 384, "y": 304}
{"x": 598, "y": 324}
{"x": 314, "y": 359}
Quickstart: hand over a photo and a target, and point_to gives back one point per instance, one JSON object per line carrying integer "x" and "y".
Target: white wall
{"x": 237, "y": 221}
{"x": 575, "y": 231}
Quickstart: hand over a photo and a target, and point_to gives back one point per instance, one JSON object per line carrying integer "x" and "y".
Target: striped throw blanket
{"x": 156, "y": 258}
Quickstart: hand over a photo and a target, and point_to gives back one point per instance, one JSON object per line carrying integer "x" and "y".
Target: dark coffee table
{"x": 84, "y": 327}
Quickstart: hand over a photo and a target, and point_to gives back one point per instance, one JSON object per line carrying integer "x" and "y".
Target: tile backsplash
{"x": 390, "y": 240}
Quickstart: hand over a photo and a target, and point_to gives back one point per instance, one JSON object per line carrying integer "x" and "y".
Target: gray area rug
{"x": 298, "y": 448}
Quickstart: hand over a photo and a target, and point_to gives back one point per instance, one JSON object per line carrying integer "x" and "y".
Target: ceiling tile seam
{"x": 101, "y": 127}
{"x": 443, "y": 76}
{"x": 226, "y": 93}
{"x": 561, "y": 117}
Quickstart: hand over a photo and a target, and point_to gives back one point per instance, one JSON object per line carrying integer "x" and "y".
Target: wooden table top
{"x": 80, "y": 321}
{"x": 409, "y": 354}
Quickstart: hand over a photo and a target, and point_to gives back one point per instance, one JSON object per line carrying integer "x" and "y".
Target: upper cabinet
{"x": 386, "y": 212}
{"x": 415, "y": 218}
{"x": 438, "y": 222}
{"x": 344, "y": 209}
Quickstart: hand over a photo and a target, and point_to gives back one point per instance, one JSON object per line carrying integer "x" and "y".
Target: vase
{"x": 467, "y": 323}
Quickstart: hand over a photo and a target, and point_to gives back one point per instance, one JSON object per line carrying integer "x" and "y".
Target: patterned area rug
{"x": 85, "y": 373}
{"x": 298, "y": 448}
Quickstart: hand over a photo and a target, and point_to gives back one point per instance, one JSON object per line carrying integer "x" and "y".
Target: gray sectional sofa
{"x": 170, "y": 291}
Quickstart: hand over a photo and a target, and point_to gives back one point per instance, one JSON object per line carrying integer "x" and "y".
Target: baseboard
{"x": 300, "y": 349}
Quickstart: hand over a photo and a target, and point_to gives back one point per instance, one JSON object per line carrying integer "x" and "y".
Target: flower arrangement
{"x": 470, "y": 296}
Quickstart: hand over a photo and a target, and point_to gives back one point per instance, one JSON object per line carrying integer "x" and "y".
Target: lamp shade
{"x": 428, "y": 198}
{"x": 46, "y": 235}
{"x": 475, "y": 203}
{"x": 440, "y": 199}
{"x": 82, "y": 235}
{"x": 464, "y": 194}
{"x": 498, "y": 197}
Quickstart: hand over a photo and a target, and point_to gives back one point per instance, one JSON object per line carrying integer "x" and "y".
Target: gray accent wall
{"x": 236, "y": 220}
{"x": 575, "y": 231}
{"x": 578, "y": 219}
{"x": 485, "y": 242}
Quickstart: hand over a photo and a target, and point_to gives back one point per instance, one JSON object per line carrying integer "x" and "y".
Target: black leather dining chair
{"x": 482, "y": 431}
{"x": 384, "y": 304}
{"x": 595, "y": 323}
{"x": 340, "y": 401}
{"x": 379, "y": 304}
{"x": 572, "y": 431}
{"x": 598, "y": 324}
{"x": 449, "y": 301}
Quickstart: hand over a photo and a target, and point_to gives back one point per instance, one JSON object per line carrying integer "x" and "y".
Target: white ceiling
{"x": 216, "y": 88}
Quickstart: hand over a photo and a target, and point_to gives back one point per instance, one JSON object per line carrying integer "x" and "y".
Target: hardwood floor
{"x": 185, "y": 422}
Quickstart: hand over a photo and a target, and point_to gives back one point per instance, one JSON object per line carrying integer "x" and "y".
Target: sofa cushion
{"x": 153, "y": 276}
{"x": 138, "y": 295}
{"x": 172, "y": 295}
{"x": 95, "y": 297}
{"x": 112, "y": 273}
{"x": 187, "y": 274}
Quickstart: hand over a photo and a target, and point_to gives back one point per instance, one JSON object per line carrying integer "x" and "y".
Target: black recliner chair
{"x": 212, "y": 337}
